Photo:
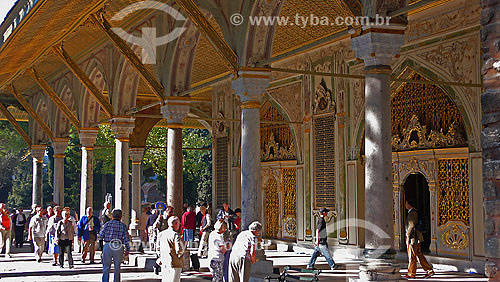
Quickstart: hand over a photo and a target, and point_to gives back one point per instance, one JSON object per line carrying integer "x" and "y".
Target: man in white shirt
{"x": 37, "y": 230}
{"x": 243, "y": 253}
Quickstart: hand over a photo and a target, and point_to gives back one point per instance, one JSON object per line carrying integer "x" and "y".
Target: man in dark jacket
{"x": 413, "y": 240}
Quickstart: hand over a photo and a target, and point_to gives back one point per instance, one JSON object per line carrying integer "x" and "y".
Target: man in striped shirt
{"x": 115, "y": 236}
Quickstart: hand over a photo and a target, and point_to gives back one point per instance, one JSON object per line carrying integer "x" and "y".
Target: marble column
{"x": 250, "y": 86}
{"x": 37, "y": 152}
{"x": 174, "y": 111}
{"x": 122, "y": 127}
{"x": 88, "y": 137}
{"x": 377, "y": 47}
{"x": 59, "y": 145}
{"x": 136, "y": 155}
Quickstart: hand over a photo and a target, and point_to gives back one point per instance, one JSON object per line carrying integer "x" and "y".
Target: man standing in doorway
{"x": 413, "y": 240}
{"x": 19, "y": 221}
{"x": 321, "y": 245}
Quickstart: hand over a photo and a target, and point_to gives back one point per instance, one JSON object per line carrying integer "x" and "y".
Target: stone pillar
{"x": 377, "y": 48}
{"x": 174, "y": 111}
{"x": 88, "y": 136}
{"x": 122, "y": 127}
{"x": 59, "y": 145}
{"x": 250, "y": 86}
{"x": 136, "y": 155}
{"x": 37, "y": 152}
{"x": 490, "y": 100}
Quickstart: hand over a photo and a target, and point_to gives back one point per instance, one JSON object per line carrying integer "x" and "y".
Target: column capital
{"x": 88, "y": 136}
{"x": 377, "y": 46}
{"x": 175, "y": 110}
{"x": 123, "y": 127}
{"x": 37, "y": 152}
{"x": 59, "y": 145}
{"x": 251, "y": 84}
{"x": 136, "y": 154}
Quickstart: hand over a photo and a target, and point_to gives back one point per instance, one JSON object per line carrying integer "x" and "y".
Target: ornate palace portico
{"x": 356, "y": 118}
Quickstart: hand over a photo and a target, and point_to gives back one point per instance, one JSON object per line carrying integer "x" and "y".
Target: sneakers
{"x": 310, "y": 267}
{"x": 334, "y": 267}
{"x": 429, "y": 275}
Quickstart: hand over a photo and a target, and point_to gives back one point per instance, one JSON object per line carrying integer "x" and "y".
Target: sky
{"x": 5, "y": 6}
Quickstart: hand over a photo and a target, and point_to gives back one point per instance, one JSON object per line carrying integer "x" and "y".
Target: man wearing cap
{"x": 171, "y": 251}
{"x": 321, "y": 241}
{"x": 115, "y": 236}
{"x": 243, "y": 253}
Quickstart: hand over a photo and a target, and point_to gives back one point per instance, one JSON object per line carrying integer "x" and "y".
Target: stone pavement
{"x": 22, "y": 267}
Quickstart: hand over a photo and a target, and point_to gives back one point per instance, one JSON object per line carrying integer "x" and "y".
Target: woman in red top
{"x": 5, "y": 228}
{"x": 189, "y": 224}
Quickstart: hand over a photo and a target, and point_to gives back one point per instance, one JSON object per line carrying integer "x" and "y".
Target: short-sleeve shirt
{"x": 321, "y": 227}
{"x": 243, "y": 244}
{"x": 215, "y": 240}
{"x": 38, "y": 224}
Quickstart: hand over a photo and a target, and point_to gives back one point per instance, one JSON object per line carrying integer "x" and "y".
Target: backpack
{"x": 422, "y": 225}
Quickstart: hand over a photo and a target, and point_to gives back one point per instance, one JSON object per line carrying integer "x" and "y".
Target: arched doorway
{"x": 417, "y": 189}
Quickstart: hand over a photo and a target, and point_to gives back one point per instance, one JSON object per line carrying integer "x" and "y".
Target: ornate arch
{"x": 90, "y": 109}
{"x": 36, "y": 132}
{"x": 125, "y": 86}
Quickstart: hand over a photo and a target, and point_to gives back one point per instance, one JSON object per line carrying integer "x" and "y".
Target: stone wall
{"x": 490, "y": 99}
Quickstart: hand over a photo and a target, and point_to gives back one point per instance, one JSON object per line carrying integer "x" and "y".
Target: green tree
{"x": 12, "y": 150}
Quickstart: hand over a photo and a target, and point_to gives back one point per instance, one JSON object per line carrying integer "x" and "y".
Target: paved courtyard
{"x": 22, "y": 267}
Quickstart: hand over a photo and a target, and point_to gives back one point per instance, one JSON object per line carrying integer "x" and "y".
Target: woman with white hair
{"x": 243, "y": 253}
{"x": 171, "y": 251}
{"x": 64, "y": 238}
{"x": 216, "y": 250}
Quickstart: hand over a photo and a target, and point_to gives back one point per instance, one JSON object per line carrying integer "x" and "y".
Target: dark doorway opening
{"x": 417, "y": 189}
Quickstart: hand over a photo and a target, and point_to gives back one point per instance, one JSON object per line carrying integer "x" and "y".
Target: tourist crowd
{"x": 56, "y": 230}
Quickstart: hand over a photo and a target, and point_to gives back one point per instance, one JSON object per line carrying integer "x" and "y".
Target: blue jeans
{"x": 323, "y": 249}
{"x": 108, "y": 255}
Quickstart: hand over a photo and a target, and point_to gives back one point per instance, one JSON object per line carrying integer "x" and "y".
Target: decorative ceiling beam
{"x": 84, "y": 79}
{"x": 31, "y": 111}
{"x": 53, "y": 96}
{"x": 129, "y": 54}
{"x": 13, "y": 122}
{"x": 201, "y": 22}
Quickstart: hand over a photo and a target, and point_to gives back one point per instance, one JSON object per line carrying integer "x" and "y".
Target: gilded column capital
{"x": 175, "y": 110}
{"x": 37, "y": 152}
{"x": 88, "y": 136}
{"x": 136, "y": 154}
{"x": 123, "y": 127}
{"x": 59, "y": 145}
{"x": 250, "y": 85}
{"x": 378, "y": 46}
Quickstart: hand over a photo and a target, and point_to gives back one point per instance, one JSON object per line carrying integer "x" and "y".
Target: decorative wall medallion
{"x": 323, "y": 101}
{"x": 454, "y": 238}
{"x": 290, "y": 227}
